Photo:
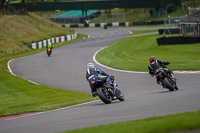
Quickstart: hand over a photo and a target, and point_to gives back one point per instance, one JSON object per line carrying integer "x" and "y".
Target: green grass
{"x": 143, "y": 31}
{"x": 171, "y": 123}
{"x": 20, "y": 96}
{"x": 159, "y": 25}
{"x": 133, "y": 54}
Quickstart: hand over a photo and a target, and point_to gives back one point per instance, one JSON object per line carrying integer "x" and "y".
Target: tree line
{"x": 5, "y": 8}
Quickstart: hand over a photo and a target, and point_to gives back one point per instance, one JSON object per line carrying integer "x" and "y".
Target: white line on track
{"x": 32, "y": 81}
{"x": 8, "y": 65}
{"x": 187, "y": 72}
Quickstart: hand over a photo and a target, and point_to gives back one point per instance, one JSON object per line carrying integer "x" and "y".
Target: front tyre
{"x": 168, "y": 84}
{"x": 48, "y": 53}
{"x": 176, "y": 87}
{"x": 104, "y": 95}
{"x": 120, "y": 95}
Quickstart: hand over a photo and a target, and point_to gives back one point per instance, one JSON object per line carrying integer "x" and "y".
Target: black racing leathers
{"x": 154, "y": 65}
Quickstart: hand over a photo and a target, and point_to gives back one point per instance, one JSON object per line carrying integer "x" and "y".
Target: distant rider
{"x": 50, "y": 46}
{"x": 156, "y": 64}
{"x": 93, "y": 73}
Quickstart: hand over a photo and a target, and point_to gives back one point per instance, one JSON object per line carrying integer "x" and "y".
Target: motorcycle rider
{"x": 49, "y": 46}
{"x": 156, "y": 64}
{"x": 93, "y": 73}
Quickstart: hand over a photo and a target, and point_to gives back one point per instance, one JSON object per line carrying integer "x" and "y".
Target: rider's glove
{"x": 112, "y": 77}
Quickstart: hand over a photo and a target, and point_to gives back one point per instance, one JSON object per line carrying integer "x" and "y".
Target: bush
{"x": 171, "y": 8}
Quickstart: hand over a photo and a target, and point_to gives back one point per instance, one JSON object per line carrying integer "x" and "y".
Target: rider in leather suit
{"x": 92, "y": 73}
{"x": 155, "y": 64}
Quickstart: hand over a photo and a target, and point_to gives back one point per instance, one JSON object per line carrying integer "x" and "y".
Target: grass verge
{"x": 136, "y": 32}
{"x": 20, "y": 96}
{"x": 132, "y": 54}
{"x": 171, "y": 123}
{"x": 159, "y": 25}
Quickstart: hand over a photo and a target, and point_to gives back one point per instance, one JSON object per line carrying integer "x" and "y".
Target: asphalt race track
{"x": 66, "y": 69}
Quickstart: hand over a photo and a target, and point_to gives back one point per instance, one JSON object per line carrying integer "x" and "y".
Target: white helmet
{"x": 90, "y": 65}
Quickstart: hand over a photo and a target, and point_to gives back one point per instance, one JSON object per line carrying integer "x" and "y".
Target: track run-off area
{"x": 66, "y": 69}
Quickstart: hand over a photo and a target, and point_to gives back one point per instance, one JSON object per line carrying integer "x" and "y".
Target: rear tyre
{"x": 168, "y": 84}
{"x": 104, "y": 95}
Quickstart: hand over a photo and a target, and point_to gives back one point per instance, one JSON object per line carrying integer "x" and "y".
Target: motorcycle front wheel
{"x": 120, "y": 95}
{"x": 168, "y": 84}
{"x": 104, "y": 95}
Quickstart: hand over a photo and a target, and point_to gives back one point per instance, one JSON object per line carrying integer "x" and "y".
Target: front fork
{"x": 115, "y": 86}
{"x": 112, "y": 89}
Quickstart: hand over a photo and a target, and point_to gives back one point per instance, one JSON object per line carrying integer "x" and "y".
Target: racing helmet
{"x": 90, "y": 65}
{"x": 152, "y": 58}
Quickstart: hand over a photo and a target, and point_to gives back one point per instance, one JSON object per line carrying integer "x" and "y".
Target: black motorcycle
{"x": 168, "y": 81}
{"x": 107, "y": 92}
{"x": 49, "y": 51}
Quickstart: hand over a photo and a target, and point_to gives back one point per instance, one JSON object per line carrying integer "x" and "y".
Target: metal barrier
{"x": 177, "y": 40}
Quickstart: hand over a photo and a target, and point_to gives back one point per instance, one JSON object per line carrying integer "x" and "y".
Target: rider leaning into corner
{"x": 156, "y": 64}
{"x": 92, "y": 73}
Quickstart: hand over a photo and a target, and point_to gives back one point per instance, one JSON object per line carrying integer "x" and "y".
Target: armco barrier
{"x": 177, "y": 40}
{"x": 44, "y": 43}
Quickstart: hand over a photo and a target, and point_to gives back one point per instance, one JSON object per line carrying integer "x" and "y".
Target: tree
{"x": 23, "y": 3}
{"x": 4, "y": 5}
{"x": 194, "y": 3}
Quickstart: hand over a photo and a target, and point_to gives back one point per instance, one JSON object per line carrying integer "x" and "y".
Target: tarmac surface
{"x": 66, "y": 69}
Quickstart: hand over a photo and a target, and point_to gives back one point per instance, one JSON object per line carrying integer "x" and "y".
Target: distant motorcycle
{"x": 107, "y": 92}
{"x": 49, "y": 50}
{"x": 168, "y": 81}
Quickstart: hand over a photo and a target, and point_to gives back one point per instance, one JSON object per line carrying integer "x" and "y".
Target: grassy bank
{"x": 165, "y": 124}
{"x": 18, "y": 30}
{"x": 133, "y": 53}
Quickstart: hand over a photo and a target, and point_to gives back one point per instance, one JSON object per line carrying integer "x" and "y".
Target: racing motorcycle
{"x": 107, "y": 92}
{"x": 168, "y": 81}
{"x": 49, "y": 51}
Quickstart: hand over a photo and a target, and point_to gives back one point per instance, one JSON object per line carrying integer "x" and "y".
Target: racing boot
{"x": 94, "y": 93}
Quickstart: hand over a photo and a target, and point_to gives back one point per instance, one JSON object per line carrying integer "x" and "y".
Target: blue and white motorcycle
{"x": 107, "y": 91}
